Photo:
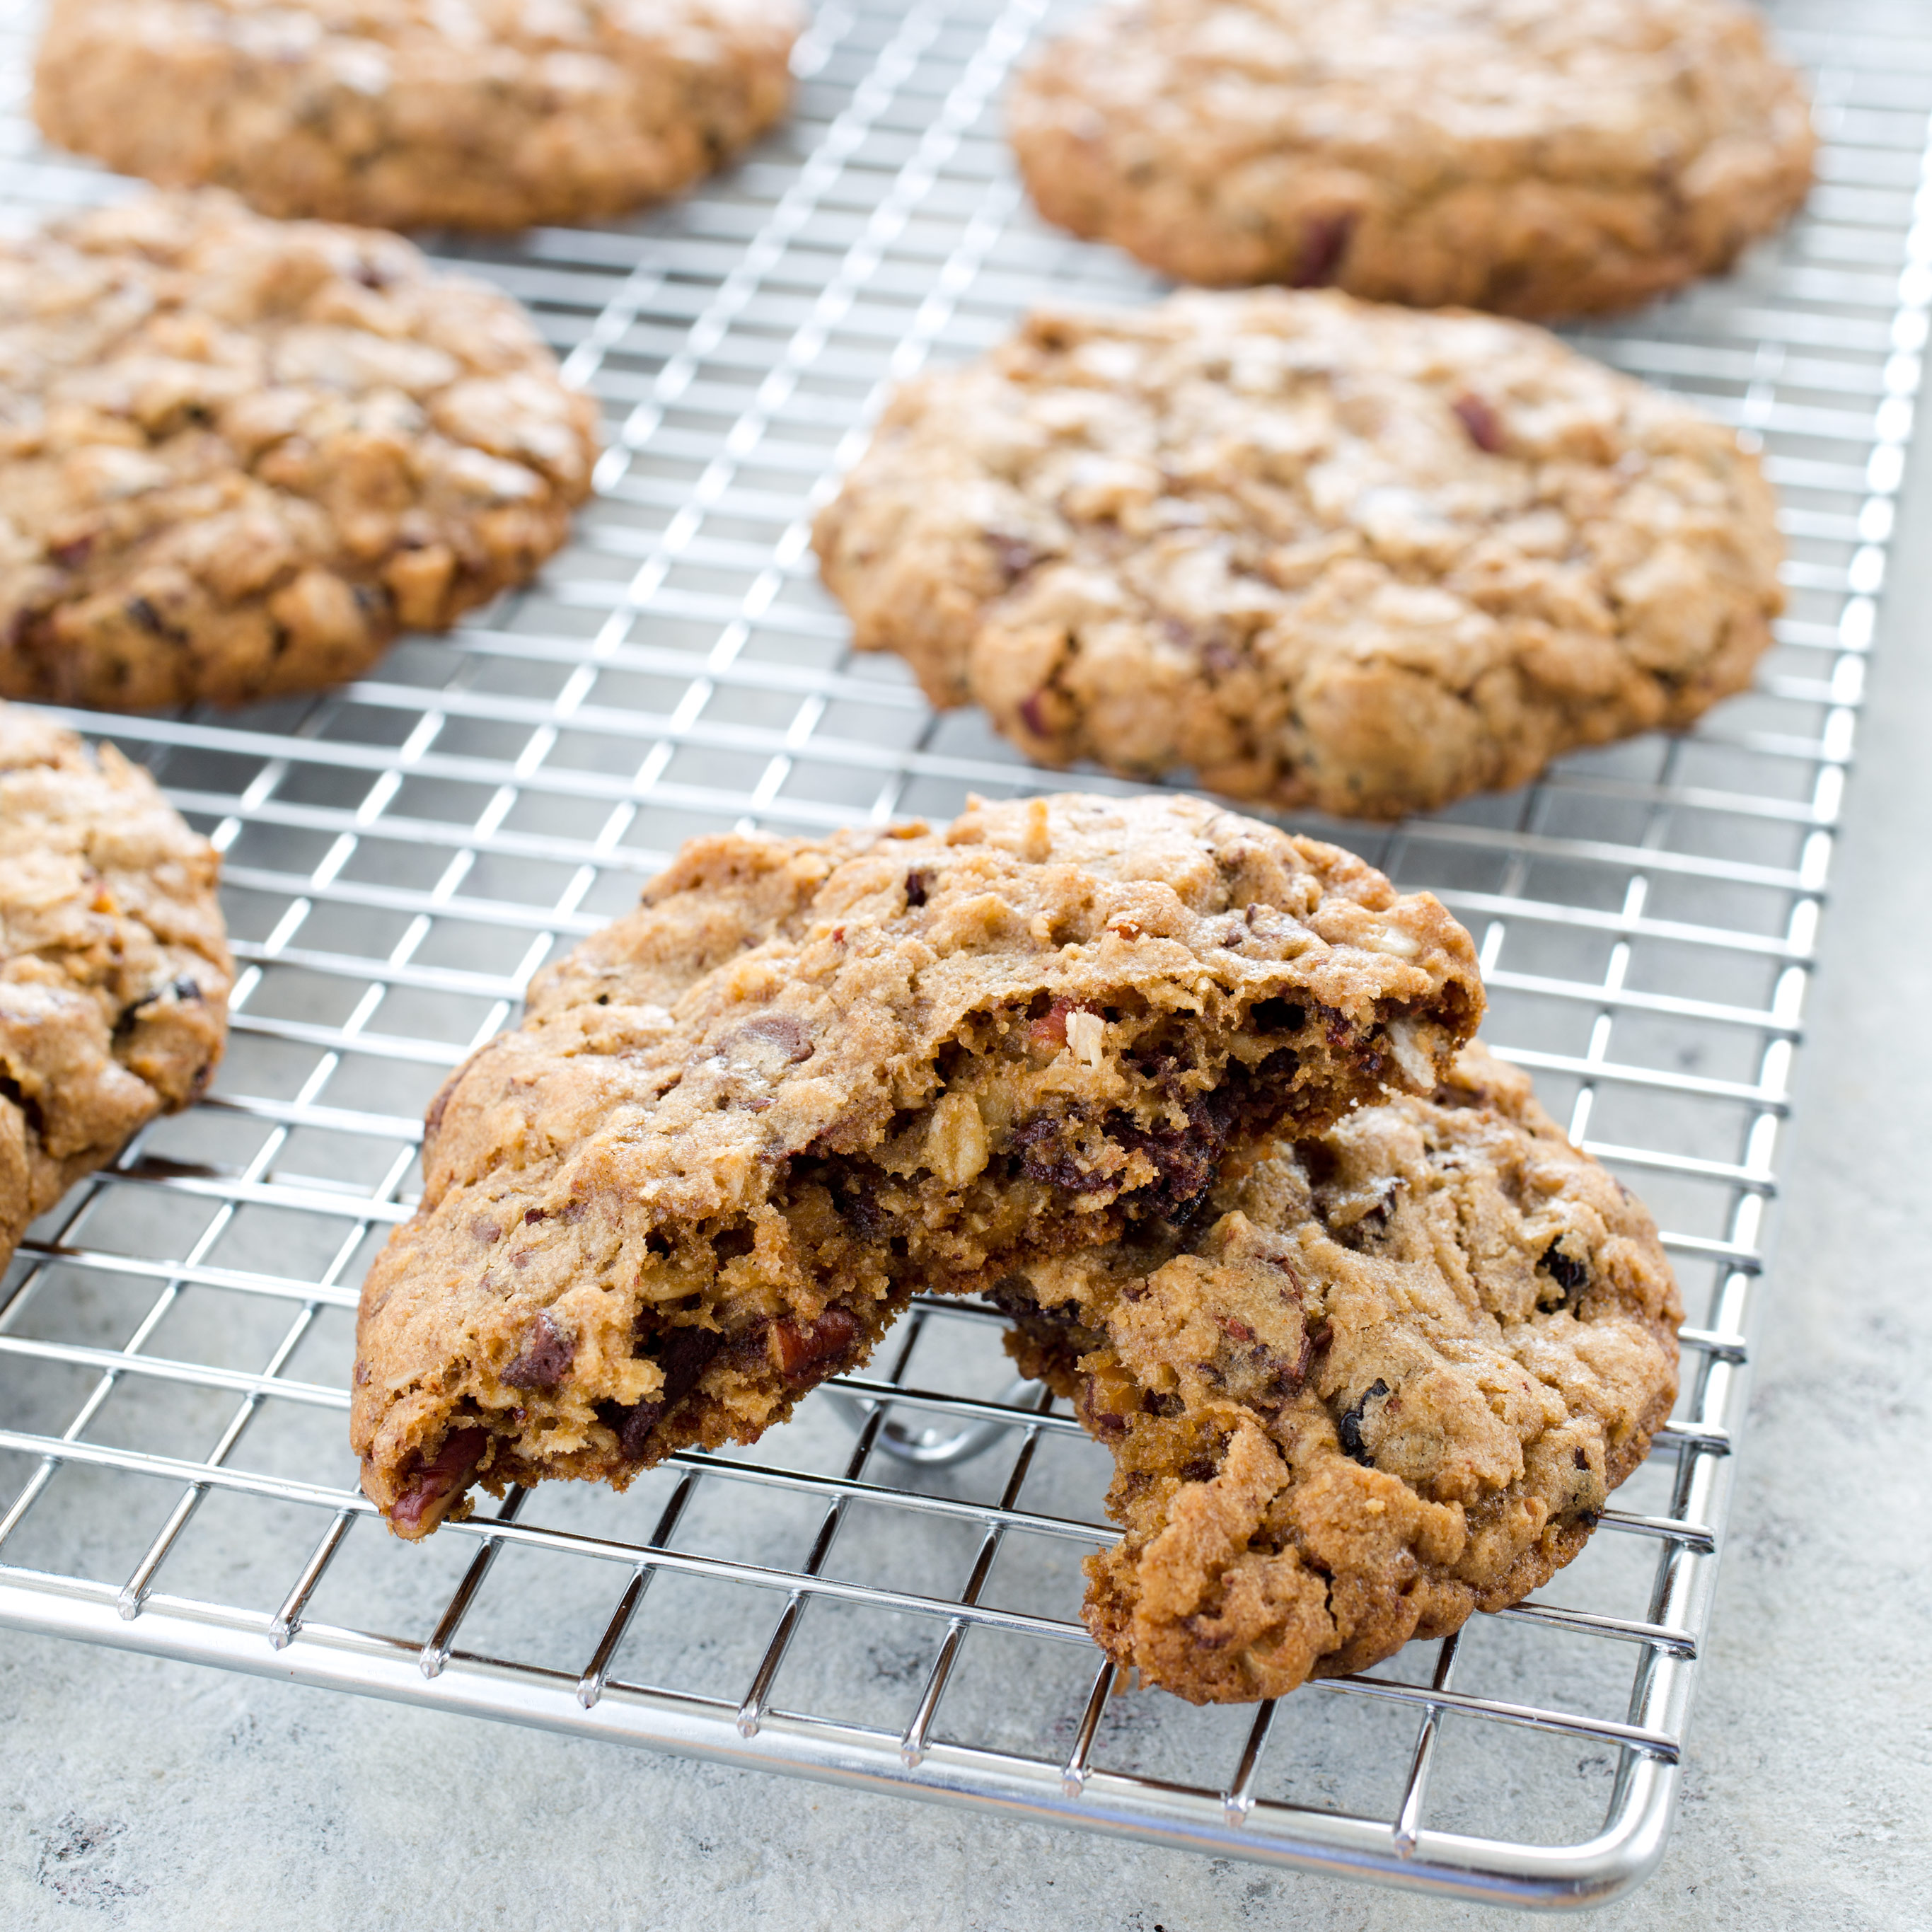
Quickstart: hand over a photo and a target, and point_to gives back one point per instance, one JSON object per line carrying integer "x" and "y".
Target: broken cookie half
{"x": 737, "y": 1129}
{"x": 1386, "y": 1379}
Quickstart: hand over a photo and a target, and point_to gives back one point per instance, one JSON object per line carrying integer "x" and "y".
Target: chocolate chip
{"x": 186, "y": 993}
{"x": 1485, "y": 428}
{"x": 1057, "y": 1326}
{"x": 482, "y": 1228}
{"x": 916, "y": 883}
{"x": 683, "y": 1355}
{"x": 73, "y": 552}
{"x": 1185, "y": 1158}
{"x": 1033, "y": 714}
{"x": 1348, "y": 1424}
{"x": 547, "y": 1354}
{"x": 852, "y": 1184}
{"x": 1045, "y": 1156}
{"x": 141, "y": 612}
{"x": 1569, "y": 1274}
{"x": 434, "y": 1486}
{"x": 1165, "y": 1406}
{"x": 1372, "y": 1224}
{"x": 532, "y": 1216}
{"x": 1324, "y": 240}
{"x": 633, "y": 1425}
{"x": 1580, "y": 1457}
{"x": 1199, "y": 1469}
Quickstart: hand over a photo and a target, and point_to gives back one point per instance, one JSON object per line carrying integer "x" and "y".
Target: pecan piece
{"x": 440, "y": 1483}
{"x": 805, "y": 1354}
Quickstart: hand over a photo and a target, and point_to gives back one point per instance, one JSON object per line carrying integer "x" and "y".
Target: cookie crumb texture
{"x": 1542, "y": 157}
{"x": 1317, "y": 551}
{"x": 1392, "y": 1383}
{"x": 416, "y": 113}
{"x": 738, "y": 1128}
{"x": 114, "y": 965}
{"x": 240, "y": 455}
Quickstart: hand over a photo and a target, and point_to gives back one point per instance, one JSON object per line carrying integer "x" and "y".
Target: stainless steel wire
{"x": 175, "y": 1339}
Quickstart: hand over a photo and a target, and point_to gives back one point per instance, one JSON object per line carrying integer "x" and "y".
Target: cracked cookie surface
{"x": 1318, "y": 551}
{"x": 414, "y": 113}
{"x": 114, "y": 965}
{"x": 1387, "y": 1380}
{"x": 737, "y": 1129}
{"x": 1542, "y": 157}
{"x": 240, "y": 455}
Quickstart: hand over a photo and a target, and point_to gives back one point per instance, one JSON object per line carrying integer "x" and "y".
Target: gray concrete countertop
{"x": 154, "y": 1795}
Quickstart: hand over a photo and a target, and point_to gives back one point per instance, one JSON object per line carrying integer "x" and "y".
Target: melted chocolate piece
{"x": 1349, "y": 1423}
{"x": 684, "y": 1354}
{"x": 1571, "y": 1276}
{"x": 546, "y": 1356}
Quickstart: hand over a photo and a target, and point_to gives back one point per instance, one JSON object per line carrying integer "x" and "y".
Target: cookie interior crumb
{"x": 738, "y": 1130}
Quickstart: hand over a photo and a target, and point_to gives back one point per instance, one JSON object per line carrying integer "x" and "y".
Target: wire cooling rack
{"x": 898, "y": 1609}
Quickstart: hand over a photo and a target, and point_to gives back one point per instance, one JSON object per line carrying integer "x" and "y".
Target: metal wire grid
{"x": 898, "y": 1610}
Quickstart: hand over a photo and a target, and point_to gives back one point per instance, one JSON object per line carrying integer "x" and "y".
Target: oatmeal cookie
{"x": 1390, "y": 1382}
{"x": 1543, "y": 157}
{"x": 237, "y": 456}
{"x": 1320, "y": 552}
{"x": 410, "y": 113}
{"x": 114, "y": 965}
{"x": 738, "y": 1127}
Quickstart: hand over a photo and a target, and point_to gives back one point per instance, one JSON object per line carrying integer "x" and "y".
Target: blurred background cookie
{"x": 1316, "y": 551}
{"x": 114, "y": 966}
{"x": 402, "y": 113}
{"x": 1538, "y": 156}
{"x": 240, "y": 455}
